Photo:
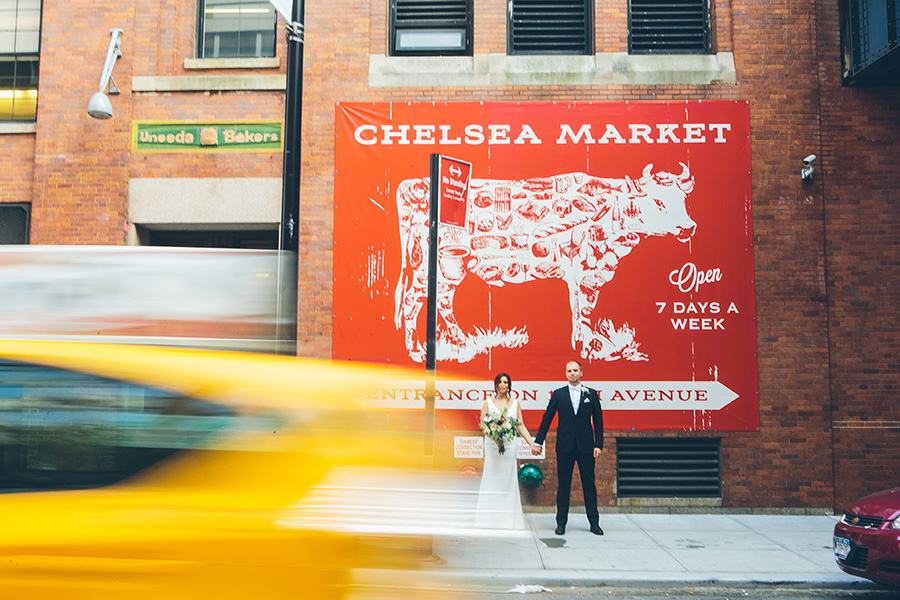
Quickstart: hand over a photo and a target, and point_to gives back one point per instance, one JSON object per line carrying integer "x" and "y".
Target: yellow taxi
{"x": 146, "y": 472}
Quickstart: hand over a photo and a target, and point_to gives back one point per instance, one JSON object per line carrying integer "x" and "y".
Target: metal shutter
{"x": 668, "y": 27}
{"x": 668, "y": 468}
{"x": 547, "y": 27}
{"x": 431, "y": 15}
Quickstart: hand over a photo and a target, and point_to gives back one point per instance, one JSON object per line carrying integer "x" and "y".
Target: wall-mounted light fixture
{"x": 806, "y": 173}
{"x": 100, "y": 107}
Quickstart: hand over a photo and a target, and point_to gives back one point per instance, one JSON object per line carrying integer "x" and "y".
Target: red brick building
{"x": 827, "y": 272}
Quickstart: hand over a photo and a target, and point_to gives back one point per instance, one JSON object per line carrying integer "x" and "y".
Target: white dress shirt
{"x": 575, "y": 396}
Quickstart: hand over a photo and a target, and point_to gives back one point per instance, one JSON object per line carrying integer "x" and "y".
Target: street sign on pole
{"x": 453, "y": 191}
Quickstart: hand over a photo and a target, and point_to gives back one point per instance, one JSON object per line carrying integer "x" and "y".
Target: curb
{"x": 594, "y": 579}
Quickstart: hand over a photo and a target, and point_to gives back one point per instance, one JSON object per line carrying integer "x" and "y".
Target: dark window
{"x": 14, "y": 223}
{"x": 431, "y": 28}
{"x": 870, "y": 46}
{"x": 550, "y": 27}
{"x": 237, "y": 29}
{"x": 668, "y": 468}
{"x": 64, "y": 429}
{"x": 20, "y": 34}
{"x": 256, "y": 239}
{"x": 668, "y": 27}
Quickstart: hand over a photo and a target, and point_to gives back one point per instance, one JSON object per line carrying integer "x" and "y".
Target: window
{"x": 550, "y": 27}
{"x": 668, "y": 27}
{"x": 20, "y": 35}
{"x": 14, "y": 223}
{"x": 429, "y": 28}
{"x": 235, "y": 29}
{"x": 64, "y": 429}
{"x": 870, "y": 43}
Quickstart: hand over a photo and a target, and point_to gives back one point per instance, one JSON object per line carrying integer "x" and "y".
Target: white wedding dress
{"x": 499, "y": 504}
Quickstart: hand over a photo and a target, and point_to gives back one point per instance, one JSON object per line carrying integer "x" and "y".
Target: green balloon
{"x": 530, "y": 475}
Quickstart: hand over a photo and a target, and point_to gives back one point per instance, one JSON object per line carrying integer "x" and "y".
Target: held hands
{"x": 536, "y": 450}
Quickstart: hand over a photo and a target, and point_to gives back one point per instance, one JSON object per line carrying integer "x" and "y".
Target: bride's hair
{"x": 499, "y": 377}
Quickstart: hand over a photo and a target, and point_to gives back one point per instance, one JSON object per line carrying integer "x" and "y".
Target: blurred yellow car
{"x": 139, "y": 472}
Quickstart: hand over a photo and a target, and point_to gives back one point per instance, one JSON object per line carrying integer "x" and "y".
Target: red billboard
{"x": 617, "y": 234}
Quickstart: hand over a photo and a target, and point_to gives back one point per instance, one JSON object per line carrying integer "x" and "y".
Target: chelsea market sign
{"x": 475, "y": 134}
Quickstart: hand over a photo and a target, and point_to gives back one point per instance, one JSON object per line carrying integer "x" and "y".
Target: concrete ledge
{"x": 232, "y": 63}
{"x": 24, "y": 127}
{"x": 656, "y": 503}
{"x": 498, "y": 70}
{"x": 195, "y": 201}
{"x": 208, "y": 83}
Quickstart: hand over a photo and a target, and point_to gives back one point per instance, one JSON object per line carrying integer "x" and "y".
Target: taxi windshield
{"x": 63, "y": 429}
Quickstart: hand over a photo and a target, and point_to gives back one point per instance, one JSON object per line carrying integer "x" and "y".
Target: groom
{"x": 577, "y": 441}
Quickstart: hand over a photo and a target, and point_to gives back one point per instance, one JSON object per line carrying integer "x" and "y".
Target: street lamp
{"x": 99, "y": 105}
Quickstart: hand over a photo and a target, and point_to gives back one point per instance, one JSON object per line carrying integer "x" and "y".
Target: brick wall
{"x": 856, "y": 190}
{"x": 17, "y": 174}
{"x": 826, "y": 261}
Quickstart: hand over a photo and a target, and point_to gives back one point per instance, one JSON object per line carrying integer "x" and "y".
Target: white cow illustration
{"x": 574, "y": 227}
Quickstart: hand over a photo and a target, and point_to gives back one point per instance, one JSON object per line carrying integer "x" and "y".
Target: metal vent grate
{"x": 890, "y": 566}
{"x": 858, "y": 559}
{"x": 861, "y": 521}
{"x": 548, "y": 27}
{"x": 432, "y": 13}
{"x": 668, "y": 27}
{"x": 668, "y": 468}
{"x": 431, "y": 27}
{"x": 14, "y": 223}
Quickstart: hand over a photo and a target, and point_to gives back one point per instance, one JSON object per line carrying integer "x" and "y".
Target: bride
{"x": 499, "y": 504}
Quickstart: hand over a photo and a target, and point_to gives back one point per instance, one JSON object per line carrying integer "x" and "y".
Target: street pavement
{"x": 647, "y": 548}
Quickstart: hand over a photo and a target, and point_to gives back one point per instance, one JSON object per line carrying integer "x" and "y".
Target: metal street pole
{"x": 431, "y": 307}
{"x": 288, "y": 238}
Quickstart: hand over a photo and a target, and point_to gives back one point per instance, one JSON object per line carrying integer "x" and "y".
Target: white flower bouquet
{"x": 499, "y": 427}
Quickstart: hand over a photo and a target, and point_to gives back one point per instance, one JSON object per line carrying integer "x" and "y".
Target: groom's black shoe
{"x": 595, "y": 529}
{"x": 560, "y": 529}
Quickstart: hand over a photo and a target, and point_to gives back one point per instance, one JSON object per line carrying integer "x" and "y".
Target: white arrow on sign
{"x": 455, "y": 170}
{"x": 664, "y": 395}
{"x": 533, "y": 395}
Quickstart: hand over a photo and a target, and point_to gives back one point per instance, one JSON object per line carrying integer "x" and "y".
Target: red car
{"x": 867, "y": 538}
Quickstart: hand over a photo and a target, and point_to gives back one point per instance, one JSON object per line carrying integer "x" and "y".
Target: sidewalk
{"x": 649, "y": 548}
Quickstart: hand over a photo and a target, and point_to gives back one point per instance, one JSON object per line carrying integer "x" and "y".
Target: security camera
{"x": 806, "y": 173}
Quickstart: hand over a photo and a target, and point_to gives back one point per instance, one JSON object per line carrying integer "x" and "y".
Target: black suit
{"x": 576, "y": 439}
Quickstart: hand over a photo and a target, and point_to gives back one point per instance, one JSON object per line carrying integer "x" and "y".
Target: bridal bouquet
{"x": 499, "y": 427}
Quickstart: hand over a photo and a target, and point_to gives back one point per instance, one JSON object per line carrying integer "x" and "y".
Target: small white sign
{"x": 473, "y": 447}
{"x": 468, "y": 447}
{"x": 524, "y": 451}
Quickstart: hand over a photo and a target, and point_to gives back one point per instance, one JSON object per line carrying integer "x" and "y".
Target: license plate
{"x": 841, "y": 548}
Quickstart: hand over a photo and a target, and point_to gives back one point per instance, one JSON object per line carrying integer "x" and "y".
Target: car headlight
{"x": 895, "y": 524}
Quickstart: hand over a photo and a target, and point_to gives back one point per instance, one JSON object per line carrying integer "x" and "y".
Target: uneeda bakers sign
{"x": 170, "y": 136}
{"x": 618, "y": 234}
